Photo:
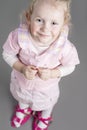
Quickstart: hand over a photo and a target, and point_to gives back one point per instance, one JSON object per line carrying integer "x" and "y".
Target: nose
{"x": 45, "y": 27}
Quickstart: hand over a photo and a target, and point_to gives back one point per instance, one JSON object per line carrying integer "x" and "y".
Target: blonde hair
{"x": 67, "y": 18}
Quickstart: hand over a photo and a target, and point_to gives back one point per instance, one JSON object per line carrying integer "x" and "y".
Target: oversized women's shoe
{"x": 27, "y": 114}
{"x": 38, "y": 118}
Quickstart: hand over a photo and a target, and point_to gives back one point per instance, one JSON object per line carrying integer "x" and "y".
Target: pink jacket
{"x": 62, "y": 52}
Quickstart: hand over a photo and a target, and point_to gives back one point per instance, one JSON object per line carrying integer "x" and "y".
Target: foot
{"x": 38, "y": 120}
{"x": 21, "y": 116}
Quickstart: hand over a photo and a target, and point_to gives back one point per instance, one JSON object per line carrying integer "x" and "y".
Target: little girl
{"x": 40, "y": 54}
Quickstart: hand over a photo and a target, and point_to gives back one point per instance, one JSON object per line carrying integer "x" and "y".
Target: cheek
{"x": 34, "y": 28}
{"x": 56, "y": 31}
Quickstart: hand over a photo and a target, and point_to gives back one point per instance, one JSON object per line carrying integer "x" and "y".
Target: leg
{"x": 45, "y": 114}
{"x": 22, "y": 114}
{"x": 43, "y": 119}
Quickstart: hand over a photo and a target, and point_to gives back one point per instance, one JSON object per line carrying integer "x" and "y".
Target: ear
{"x": 27, "y": 15}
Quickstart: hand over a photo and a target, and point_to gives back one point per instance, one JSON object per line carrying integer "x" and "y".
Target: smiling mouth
{"x": 44, "y": 35}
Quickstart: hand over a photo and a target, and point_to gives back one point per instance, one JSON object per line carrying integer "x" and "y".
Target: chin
{"x": 47, "y": 42}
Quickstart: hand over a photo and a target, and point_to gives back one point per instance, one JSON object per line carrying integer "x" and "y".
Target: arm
{"x": 64, "y": 70}
{"x": 28, "y": 71}
{"x": 10, "y": 50}
{"x": 60, "y": 71}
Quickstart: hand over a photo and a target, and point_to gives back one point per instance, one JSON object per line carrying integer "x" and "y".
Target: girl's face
{"x": 46, "y": 23}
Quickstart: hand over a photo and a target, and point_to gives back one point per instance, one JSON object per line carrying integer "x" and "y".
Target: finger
{"x": 42, "y": 69}
{"x": 44, "y": 78}
{"x": 33, "y": 67}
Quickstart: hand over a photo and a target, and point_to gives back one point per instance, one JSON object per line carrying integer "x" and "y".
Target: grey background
{"x": 70, "y": 111}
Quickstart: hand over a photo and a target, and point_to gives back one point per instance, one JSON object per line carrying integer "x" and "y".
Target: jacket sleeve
{"x": 69, "y": 55}
{"x": 11, "y": 48}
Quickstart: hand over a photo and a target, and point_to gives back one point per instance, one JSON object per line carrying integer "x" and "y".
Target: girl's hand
{"x": 55, "y": 73}
{"x": 44, "y": 74}
{"x": 29, "y": 72}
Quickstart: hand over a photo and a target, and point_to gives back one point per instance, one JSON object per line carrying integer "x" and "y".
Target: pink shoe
{"x": 27, "y": 112}
{"x": 38, "y": 118}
